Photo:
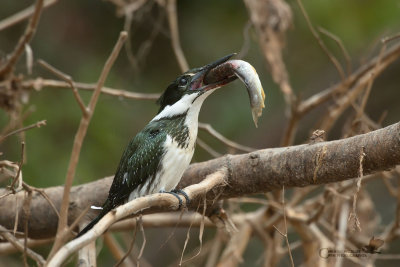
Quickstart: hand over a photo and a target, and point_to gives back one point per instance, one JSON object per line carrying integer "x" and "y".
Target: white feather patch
{"x": 176, "y": 159}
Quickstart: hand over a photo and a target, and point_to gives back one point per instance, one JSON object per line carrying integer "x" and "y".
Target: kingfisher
{"x": 156, "y": 158}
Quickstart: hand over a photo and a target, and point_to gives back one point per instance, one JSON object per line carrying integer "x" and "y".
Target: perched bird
{"x": 155, "y": 159}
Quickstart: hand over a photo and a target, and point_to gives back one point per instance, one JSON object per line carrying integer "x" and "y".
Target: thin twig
{"x": 353, "y": 215}
{"x": 113, "y": 247}
{"x": 341, "y": 46}
{"x": 341, "y": 234}
{"x": 188, "y": 235}
{"x": 87, "y": 255}
{"x": 234, "y": 250}
{"x": 215, "y": 250}
{"x": 285, "y": 235}
{"x": 40, "y": 83}
{"x": 25, "y": 38}
{"x": 17, "y": 244}
{"x": 18, "y": 175}
{"x": 35, "y": 125}
{"x": 67, "y": 79}
{"x": 365, "y": 97}
{"x": 208, "y": 128}
{"x": 6, "y": 194}
{"x": 185, "y": 244}
{"x": 292, "y": 126}
{"x": 128, "y": 45}
{"x": 392, "y": 191}
{"x": 129, "y": 11}
{"x": 246, "y": 40}
{"x": 131, "y": 245}
{"x": 201, "y": 232}
{"x": 27, "y": 213}
{"x": 390, "y": 38}
{"x": 79, "y": 137}
{"x": 321, "y": 43}
{"x": 116, "y": 250}
{"x": 173, "y": 26}
{"x": 43, "y": 194}
{"x": 8, "y": 248}
{"x": 357, "y": 86}
{"x": 16, "y": 220}
{"x": 22, "y": 15}
{"x": 145, "y": 46}
{"x": 318, "y": 99}
{"x": 144, "y": 241}
{"x": 78, "y": 219}
{"x": 208, "y": 148}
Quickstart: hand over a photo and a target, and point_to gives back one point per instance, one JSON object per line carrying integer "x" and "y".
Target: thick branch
{"x": 165, "y": 201}
{"x": 260, "y": 171}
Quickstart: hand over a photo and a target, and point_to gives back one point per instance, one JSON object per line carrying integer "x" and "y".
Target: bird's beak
{"x": 201, "y": 81}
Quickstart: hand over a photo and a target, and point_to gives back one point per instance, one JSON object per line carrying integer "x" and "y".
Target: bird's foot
{"x": 183, "y": 193}
{"x": 175, "y": 195}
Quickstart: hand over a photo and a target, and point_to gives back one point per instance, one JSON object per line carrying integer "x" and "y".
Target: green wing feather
{"x": 140, "y": 161}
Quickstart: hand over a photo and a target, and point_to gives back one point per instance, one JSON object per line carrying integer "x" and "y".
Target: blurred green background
{"x": 77, "y": 37}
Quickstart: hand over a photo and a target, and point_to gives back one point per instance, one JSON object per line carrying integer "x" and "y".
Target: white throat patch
{"x": 185, "y": 104}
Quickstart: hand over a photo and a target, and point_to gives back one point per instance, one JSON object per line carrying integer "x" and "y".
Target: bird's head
{"x": 189, "y": 88}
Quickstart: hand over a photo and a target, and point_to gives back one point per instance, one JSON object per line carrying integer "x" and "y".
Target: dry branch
{"x": 223, "y": 139}
{"x": 22, "y": 15}
{"x": 40, "y": 83}
{"x": 8, "y": 248}
{"x": 388, "y": 57}
{"x": 357, "y": 80}
{"x": 334, "y": 61}
{"x": 18, "y": 244}
{"x": 7, "y": 67}
{"x": 260, "y": 171}
{"x": 79, "y": 137}
{"x": 67, "y": 79}
{"x": 173, "y": 26}
{"x": 165, "y": 201}
{"x": 35, "y": 125}
{"x": 271, "y": 19}
{"x": 117, "y": 252}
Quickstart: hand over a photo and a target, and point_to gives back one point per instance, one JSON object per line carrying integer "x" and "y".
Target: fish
{"x": 243, "y": 70}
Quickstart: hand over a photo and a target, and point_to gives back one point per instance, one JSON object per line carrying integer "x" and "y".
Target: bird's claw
{"x": 175, "y": 195}
{"x": 183, "y": 193}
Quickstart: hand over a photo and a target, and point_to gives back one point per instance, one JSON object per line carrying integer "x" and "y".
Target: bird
{"x": 156, "y": 158}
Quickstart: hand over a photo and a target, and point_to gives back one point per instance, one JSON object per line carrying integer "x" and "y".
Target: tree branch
{"x": 40, "y": 83}
{"x": 23, "y": 15}
{"x": 173, "y": 26}
{"x": 21, "y": 247}
{"x": 257, "y": 172}
{"x": 165, "y": 201}
{"x": 79, "y": 137}
{"x": 24, "y": 39}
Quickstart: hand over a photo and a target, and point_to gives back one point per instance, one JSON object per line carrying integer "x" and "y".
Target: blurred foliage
{"x": 77, "y": 36}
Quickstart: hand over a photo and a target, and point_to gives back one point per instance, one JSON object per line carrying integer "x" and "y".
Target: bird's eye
{"x": 183, "y": 81}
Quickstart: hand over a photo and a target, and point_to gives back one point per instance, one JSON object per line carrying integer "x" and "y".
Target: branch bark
{"x": 257, "y": 172}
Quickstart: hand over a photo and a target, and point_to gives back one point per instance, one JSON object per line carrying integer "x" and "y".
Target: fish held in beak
{"x": 232, "y": 69}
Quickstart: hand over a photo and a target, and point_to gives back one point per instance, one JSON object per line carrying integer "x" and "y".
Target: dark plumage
{"x": 157, "y": 156}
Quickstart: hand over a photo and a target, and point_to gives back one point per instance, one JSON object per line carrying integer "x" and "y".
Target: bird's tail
{"x": 90, "y": 225}
{"x": 104, "y": 211}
